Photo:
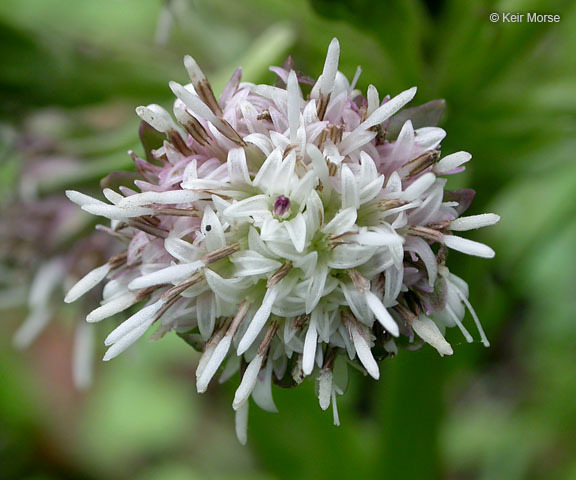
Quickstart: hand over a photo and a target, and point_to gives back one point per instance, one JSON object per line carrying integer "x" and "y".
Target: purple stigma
{"x": 281, "y": 206}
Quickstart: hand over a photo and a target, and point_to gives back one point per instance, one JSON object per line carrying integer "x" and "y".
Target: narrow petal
{"x": 248, "y": 382}
{"x": 213, "y": 364}
{"x": 325, "y": 388}
{"x": 364, "y": 353}
{"x": 172, "y": 274}
{"x": 259, "y": 320}
{"x": 309, "y": 353}
{"x": 450, "y": 162}
{"x": 112, "y": 307}
{"x": 350, "y": 193}
{"x": 241, "y": 422}
{"x": 469, "y": 247}
{"x": 382, "y": 314}
{"x": 87, "y": 283}
{"x": 427, "y": 330}
{"x": 342, "y": 222}
{"x": 296, "y": 229}
{"x": 389, "y": 108}
{"x": 473, "y": 222}
{"x": 143, "y": 317}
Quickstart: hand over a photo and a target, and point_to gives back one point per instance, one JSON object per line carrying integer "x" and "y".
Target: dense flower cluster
{"x": 285, "y": 235}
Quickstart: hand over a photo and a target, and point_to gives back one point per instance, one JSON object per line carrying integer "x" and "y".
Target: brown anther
{"x": 177, "y": 212}
{"x": 181, "y": 287}
{"x": 220, "y": 254}
{"x": 390, "y": 204}
{"x": 329, "y": 359}
{"x": 289, "y": 149}
{"x": 331, "y": 132}
{"x": 195, "y": 128}
{"x": 237, "y": 320}
{"x": 206, "y": 94}
{"x": 145, "y": 293}
{"x": 263, "y": 348}
{"x": 278, "y": 275}
{"x": 360, "y": 282}
{"x": 332, "y": 168}
{"x": 420, "y": 163}
{"x": 443, "y": 226}
{"x": 265, "y": 115}
{"x": 118, "y": 260}
{"x": 299, "y": 321}
{"x": 218, "y": 193}
{"x": 322, "y": 106}
{"x": 146, "y": 228}
{"x": 426, "y": 233}
{"x": 179, "y": 143}
{"x": 229, "y": 132}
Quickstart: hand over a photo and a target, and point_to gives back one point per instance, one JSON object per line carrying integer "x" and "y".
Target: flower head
{"x": 287, "y": 234}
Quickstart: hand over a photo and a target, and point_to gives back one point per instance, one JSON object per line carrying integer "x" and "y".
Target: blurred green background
{"x": 71, "y": 73}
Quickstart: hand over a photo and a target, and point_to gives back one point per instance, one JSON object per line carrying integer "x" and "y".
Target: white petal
{"x": 143, "y": 317}
{"x": 318, "y": 162}
{"x": 237, "y": 167}
{"x": 469, "y": 247}
{"x": 389, "y": 108}
{"x": 316, "y": 288}
{"x": 418, "y": 187}
{"x": 309, "y": 353}
{"x": 350, "y": 193}
{"x": 156, "y": 116}
{"x": 82, "y": 199}
{"x": 364, "y": 354}
{"x": 294, "y": 98}
{"x": 248, "y": 382}
{"x": 256, "y": 205}
{"x": 325, "y": 83}
{"x": 213, "y": 364}
{"x": 382, "y": 314}
{"x": 475, "y": 221}
{"x": 427, "y": 330}
{"x": 428, "y": 138}
{"x": 231, "y": 290}
{"x": 193, "y": 102}
{"x": 116, "y": 213}
{"x": 172, "y": 274}
{"x": 450, "y": 162}
{"x": 325, "y": 388}
{"x": 241, "y": 422}
{"x": 87, "y": 283}
{"x": 214, "y": 236}
{"x": 259, "y": 320}
{"x": 342, "y": 222}
{"x": 181, "y": 250}
{"x": 296, "y": 229}
{"x": 126, "y": 341}
{"x": 164, "y": 198}
{"x": 373, "y": 100}
{"x": 262, "y": 393}
{"x": 423, "y": 250}
{"x": 112, "y": 307}
{"x": 205, "y": 314}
